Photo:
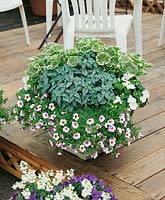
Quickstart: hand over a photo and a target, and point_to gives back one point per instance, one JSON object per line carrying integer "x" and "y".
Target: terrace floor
{"x": 138, "y": 174}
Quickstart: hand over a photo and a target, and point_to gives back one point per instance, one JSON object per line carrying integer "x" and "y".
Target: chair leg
{"x": 121, "y": 42}
{"x": 68, "y": 41}
{"x": 49, "y": 12}
{"x": 24, "y": 22}
{"x": 162, "y": 30}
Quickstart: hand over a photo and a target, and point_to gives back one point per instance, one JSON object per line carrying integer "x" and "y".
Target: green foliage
{"x": 3, "y": 111}
{"x": 71, "y": 88}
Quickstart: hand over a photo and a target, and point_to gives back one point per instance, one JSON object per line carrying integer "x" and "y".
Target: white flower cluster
{"x": 126, "y": 77}
{"x": 44, "y": 181}
{"x": 87, "y": 188}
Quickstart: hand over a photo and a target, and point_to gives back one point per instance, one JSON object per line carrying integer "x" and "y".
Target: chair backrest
{"x": 6, "y": 5}
{"x": 91, "y": 15}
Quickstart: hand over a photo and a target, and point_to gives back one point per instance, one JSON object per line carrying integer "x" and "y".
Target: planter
{"x": 39, "y": 7}
{"x": 82, "y": 98}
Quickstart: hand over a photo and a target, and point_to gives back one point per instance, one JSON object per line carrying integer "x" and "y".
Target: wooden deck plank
{"x": 154, "y": 185}
{"x": 144, "y": 168}
{"x": 131, "y": 154}
{"x": 134, "y": 162}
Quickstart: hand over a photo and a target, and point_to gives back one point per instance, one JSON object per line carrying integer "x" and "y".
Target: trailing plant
{"x": 3, "y": 111}
{"x": 59, "y": 186}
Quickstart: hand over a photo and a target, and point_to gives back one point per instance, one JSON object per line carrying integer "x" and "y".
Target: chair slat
{"x": 112, "y": 14}
{"x": 82, "y": 14}
{"x": 89, "y": 14}
{"x": 97, "y": 14}
{"x": 76, "y": 12}
{"x": 104, "y": 16}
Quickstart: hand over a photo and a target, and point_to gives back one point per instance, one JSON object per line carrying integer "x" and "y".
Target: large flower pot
{"x": 39, "y": 7}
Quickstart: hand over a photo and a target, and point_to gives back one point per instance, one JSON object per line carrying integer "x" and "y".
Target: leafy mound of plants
{"x": 84, "y": 96}
{"x": 3, "y": 111}
{"x": 59, "y": 185}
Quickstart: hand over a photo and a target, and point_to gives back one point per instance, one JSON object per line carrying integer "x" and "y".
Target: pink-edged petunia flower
{"x": 27, "y": 97}
{"x": 112, "y": 142}
{"x": 51, "y": 106}
{"x": 82, "y": 148}
{"x": 76, "y": 136}
{"x": 95, "y": 155}
{"x": 90, "y": 121}
{"x": 58, "y": 144}
{"x": 120, "y": 130}
{"x": 39, "y": 108}
{"x": 87, "y": 143}
{"x": 99, "y": 134}
{"x": 112, "y": 129}
{"x": 20, "y": 104}
{"x": 14, "y": 110}
{"x": 52, "y": 117}
{"x": 140, "y": 135}
{"x": 66, "y": 129}
{"x": 45, "y": 115}
{"x": 75, "y": 125}
{"x": 111, "y": 122}
{"x": 106, "y": 125}
{"x": 75, "y": 116}
{"x": 101, "y": 118}
{"x": 122, "y": 118}
{"x": 101, "y": 143}
{"x": 88, "y": 130}
{"x": 117, "y": 155}
{"x": 55, "y": 136}
{"x": 63, "y": 122}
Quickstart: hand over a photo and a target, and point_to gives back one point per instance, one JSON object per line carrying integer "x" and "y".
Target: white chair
{"x": 49, "y": 13}
{"x": 6, "y": 5}
{"x": 162, "y": 29}
{"x": 97, "y": 19}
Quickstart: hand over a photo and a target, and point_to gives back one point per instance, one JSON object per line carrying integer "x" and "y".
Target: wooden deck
{"x": 139, "y": 172}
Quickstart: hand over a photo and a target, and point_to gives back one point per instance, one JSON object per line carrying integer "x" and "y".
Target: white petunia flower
{"x": 25, "y": 79}
{"x": 26, "y": 193}
{"x": 128, "y": 85}
{"x": 117, "y": 100}
{"x": 132, "y": 103}
{"x": 145, "y": 96}
{"x": 127, "y": 76}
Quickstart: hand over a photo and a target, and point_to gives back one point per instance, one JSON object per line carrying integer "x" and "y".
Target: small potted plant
{"x": 3, "y": 111}
{"x": 59, "y": 185}
{"x": 39, "y": 7}
{"x": 85, "y": 97}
